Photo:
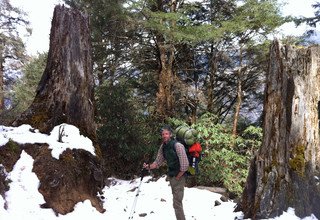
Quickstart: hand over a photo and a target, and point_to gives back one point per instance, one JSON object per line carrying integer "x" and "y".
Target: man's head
{"x": 166, "y": 134}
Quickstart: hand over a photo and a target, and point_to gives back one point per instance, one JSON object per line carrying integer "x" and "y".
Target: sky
{"x": 154, "y": 197}
{"x": 40, "y": 15}
{"x": 41, "y": 12}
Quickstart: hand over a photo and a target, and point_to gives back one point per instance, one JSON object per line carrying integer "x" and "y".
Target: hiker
{"x": 174, "y": 154}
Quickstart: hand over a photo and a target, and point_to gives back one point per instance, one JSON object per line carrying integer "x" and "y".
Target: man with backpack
{"x": 174, "y": 154}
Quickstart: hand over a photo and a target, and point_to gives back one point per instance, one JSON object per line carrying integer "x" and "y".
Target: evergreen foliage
{"x": 200, "y": 39}
{"x": 24, "y": 90}
{"x": 126, "y": 134}
{"x": 12, "y": 49}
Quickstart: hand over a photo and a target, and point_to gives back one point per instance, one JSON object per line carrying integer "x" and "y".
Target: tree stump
{"x": 65, "y": 94}
{"x": 285, "y": 170}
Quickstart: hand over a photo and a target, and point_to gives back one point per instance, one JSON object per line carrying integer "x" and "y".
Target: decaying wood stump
{"x": 285, "y": 170}
{"x": 65, "y": 95}
{"x": 66, "y": 91}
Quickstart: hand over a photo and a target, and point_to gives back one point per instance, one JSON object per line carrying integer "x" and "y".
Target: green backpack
{"x": 188, "y": 137}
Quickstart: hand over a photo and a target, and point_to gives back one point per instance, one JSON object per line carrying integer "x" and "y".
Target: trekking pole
{"x": 143, "y": 173}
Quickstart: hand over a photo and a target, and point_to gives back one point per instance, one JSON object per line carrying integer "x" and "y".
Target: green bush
{"x": 224, "y": 168}
{"x": 126, "y": 135}
{"x": 249, "y": 140}
{"x": 226, "y": 160}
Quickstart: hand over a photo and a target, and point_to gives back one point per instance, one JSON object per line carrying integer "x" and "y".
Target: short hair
{"x": 166, "y": 127}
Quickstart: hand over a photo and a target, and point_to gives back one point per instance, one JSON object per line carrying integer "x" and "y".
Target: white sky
{"x": 297, "y": 8}
{"x": 40, "y": 15}
{"x": 23, "y": 199}
{"x": 41, "y": 11}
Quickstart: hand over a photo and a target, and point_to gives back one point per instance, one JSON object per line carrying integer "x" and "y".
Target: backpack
{"x": 188, "y": 137}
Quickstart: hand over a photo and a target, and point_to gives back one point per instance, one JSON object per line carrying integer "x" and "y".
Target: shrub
{"x": 226, "y": 161}
{"x": 225, "y": 168}
{"x": 126, "y": 135}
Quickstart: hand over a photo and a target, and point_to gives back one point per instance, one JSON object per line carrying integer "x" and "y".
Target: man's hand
{"x": 150, "y": 166}
{"x": 146, "y": 166}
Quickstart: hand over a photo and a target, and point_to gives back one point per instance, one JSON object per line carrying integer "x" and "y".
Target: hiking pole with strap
{"x": 143, "y": 173}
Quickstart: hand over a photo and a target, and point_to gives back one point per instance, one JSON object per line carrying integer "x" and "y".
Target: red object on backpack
{"x": 195, "y": 149}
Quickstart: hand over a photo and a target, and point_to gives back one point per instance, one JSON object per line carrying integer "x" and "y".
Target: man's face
{"x": 166, "y": 135}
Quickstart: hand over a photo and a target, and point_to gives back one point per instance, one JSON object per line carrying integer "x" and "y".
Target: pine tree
{"x": 11, "y": 46}
{"x": 24, "y": 90}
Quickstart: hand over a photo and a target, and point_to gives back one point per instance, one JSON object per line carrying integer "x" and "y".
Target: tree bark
{"x": 238, "y": 104}
{"x": 284, "y": 171}
{"x": 239, "y": 96}
{"x": 211, "y": 81}
{"x": 65, "y": 93}
{"x": 165, "y": 90}
{"x": 165, "y": 97}
{"x": 1, "y": 83}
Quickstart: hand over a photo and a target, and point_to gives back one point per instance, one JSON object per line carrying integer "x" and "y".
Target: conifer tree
{"x": 11, "y": 45}
{"x": 24, "y": 90}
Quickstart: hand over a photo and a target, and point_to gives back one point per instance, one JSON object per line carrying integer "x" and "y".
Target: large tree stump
{"x": 65, "y": 95}
{"x": 285, "y": 170}
{"x": 66, "y": 91}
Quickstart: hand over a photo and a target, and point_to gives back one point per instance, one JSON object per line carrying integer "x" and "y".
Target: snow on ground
{"x": 154, "y": 200}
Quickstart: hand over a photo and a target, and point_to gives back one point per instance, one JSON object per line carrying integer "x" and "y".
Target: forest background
{"x": 201, "y": 63}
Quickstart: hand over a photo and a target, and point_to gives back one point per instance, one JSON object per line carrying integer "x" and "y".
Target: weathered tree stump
{"x": 284, "y": 171}
{"x": 66, "y": 91}
{"x": 65, "y": 95}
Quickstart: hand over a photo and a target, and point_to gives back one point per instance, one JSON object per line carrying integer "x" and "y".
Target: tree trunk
{"x": 239, "y": 96}
{"x": 238, "y": 105}
{"x": 165, "y": 98}
{"x": 211, "y": 81}
{"x": 165, "y": 89}
{"x": 284, "y": 171}
{"x": 65, "y": 92}
{"x": 1, "y": 83}
{"x": 65, "y": 95}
